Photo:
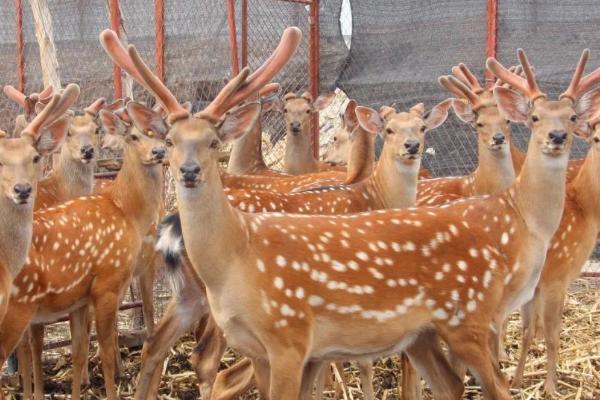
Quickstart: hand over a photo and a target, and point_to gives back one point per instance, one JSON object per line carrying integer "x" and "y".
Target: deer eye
{"x": 573, "y": 118}
{"x": 134, "y": 137}
{"x": 535, "y": 118}
{"x": 596, "y": 140}
{"x": 214, "y": 144}
{"x": 423, "y": 128}
{"x": 169, "y": 142}
{"x": 36, "y": 158}
{"x": 480, "y": 125}
{"x": 389, "y": 131}
{"x": 69, "y": 134}
{"x": 507, "y": 122}
{"x": 285, "y": 110}
{"x": 335, "y": 138}
{"x": 308, "y": 111}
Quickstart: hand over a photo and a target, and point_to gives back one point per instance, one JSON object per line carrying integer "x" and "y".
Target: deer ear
{"x": 463, "y": 110}
{"x": 95, "y": 107}
{"x": 350, "y": 121}
{"x": 269, "y": 103}
{"x": 238, "y": 122}
{"x": 145, "y": 119}
{"x": 112, "y": 124}
{"x": 52, "y": 136}
{"x": 369, "y": 119}
{"x": 289, "y": 96}
{"x": 513, "y": 105}
{"x": 323, "y": 101}
{"x": 583, "y": 129}
{"x": 187, "y": 106}
{"x": 588, "y": 104}
{"x": 418, "y": 109}
{"x": 3, "y": 134}
{"x": 386, "y": 112}
{"x": 437, "y": 115}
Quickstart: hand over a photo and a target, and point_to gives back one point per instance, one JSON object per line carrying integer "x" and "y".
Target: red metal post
{"x": 20, "y": 46}
{"x": 159, "y": 28}
{"x": 244, "y": 33}
{"x": 313, "y": 70}
{"x": 491, "y": 34}
{"x": 235, "y": 64}
{"x": 115, "y": 25}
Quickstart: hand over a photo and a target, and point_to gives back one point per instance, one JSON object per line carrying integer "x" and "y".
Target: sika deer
{"x": 569, "y": 250}
{"x": 479, "y": 268}
{"x": 392, "y": 185}
{"x": 84, "y": 251}
{"x": 19, "y": 158}
{"x": 339, "y": 149}
{"x": 495, "y": 172}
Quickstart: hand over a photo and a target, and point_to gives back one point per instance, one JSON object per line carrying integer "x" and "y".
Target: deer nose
{"x": 87, "y": 151}
{"x": 159, "y": 152}
{"x": 23, "y": 190}
{"x": 189, "y": 171}
{"x": 295, "y": 127}
{"x": 557, "y": 137}
{"x": 499, "y": 138}
{"x": 412, "y": 146}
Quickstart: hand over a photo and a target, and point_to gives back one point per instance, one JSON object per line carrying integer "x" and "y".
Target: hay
{"x": 579, "y": 367}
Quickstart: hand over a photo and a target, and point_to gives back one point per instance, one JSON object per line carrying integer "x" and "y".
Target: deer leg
{"x": 78, "y": 320}
{"x": 365, "y": 367}
{"x": 25, "y": 368}
{"x": 323, "y": 376}
{"x": 502, "y": 355}
{"x": 146, "y": 284}
{"x": 411, "y": 385}
{"x": 429, "y": 360}
{"x": 287, "y": 365}
{"x": 206, "y": 356}
{"x": 262, "y": 376}
{"x": 12, "y": 328}
{"x": 85, "y": 374}
{"x": 36, "y": 343}
{"x": 553, "y": 310}
{"x": 118, "y": 361}
{"x": 313, "y": 370}
{"x": 105, "y": 307}
{"x": 471, "y": 345}
{"x": 234, "y": 381}
{"x": 527, "y": 320}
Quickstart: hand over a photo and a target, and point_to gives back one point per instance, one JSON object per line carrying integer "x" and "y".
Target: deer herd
{"x": 346, "y": 259}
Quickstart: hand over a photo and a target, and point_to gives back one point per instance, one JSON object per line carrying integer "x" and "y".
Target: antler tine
{"x": 14, "y": 95}
{"x": 161, "y": 92}
{"x": 464, "y": 90}
{"x": 58, "y": 105}
{"x": 290, "y": 40}
{"x": 533, "y": 90}
{"x": 508, "y": 77}
{"x": 578, "y": 86}
{"x": 269, "y": 89}
{"x": 117, "y": 52}
{"x": 469, "y": 78}
{"x": 445, "y": 82}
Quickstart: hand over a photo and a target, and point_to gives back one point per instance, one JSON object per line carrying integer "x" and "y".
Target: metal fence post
{"x": 491, "y": 34}
{"x": 115, "y": 25}
{"x": 20, "y": 46}
{"x": 235, "y": 64}
{"x": 159, "y": 17}
{"x": 313, "y": 70}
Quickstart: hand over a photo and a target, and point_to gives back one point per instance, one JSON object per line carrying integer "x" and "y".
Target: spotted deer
{"x": 83, "y": 251}
{"x": 568, "y": 252}
{"x": 391, "y": 185}
{"x": 20, "y": 159}
{"x": 453, "y": 267}
{"x": 476, "y": 106}
{"x": 339, "y": 149}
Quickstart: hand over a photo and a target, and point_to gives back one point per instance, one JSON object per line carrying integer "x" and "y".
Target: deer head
{"x": 193, "y": 141}
{"x": 477, "y": 107}
{"x": 298, "y": 109}
{"x": 403, "y": 132}
{"x": 339, "y": 149}
{"x": 19, "y": 157}
{"x": 552, "y": 122}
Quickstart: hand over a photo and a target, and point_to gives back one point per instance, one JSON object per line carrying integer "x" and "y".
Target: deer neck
{"x": 518, "y": 157}
{"x": 362, "y": 157}
{"x": 74, "y": 178}
{"x": 495, "y": 172}
{"x": 585, "y": 188}
{"x": 246, "y": 153}
{"x": 16, "y": 229}
{"x": 136, "y": 191}
{"x": 539, "y": 191}
{"x": 207, "y": 218}
{"x": 299, "y": 158}
{"x": 395, "y": 181}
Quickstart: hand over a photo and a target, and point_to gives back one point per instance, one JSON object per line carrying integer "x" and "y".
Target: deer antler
{"x": 464, "y": 73}
{"x": 579, "y": 85}
{"x": 528, "y": 86}
{"x": 14, "y": 95}
{"x": 58, "y": 105}
{"x": 457, "y": 87}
